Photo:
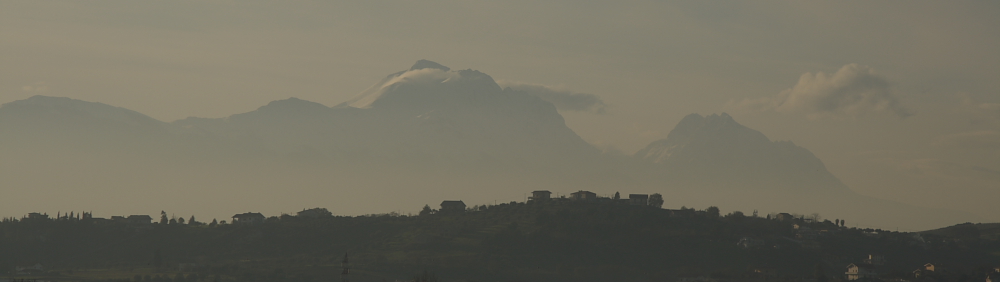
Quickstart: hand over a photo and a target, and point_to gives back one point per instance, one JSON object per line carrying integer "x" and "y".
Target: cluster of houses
{"x": 449, "y": 206}
{"x": 865, "y": 270}
{"x": 452, "y": 206}
{"x": 138, "y": 220}
{"x": 142, "y": 220}
{"x": 633, "y": 199}
{"x": 870, "y": 269}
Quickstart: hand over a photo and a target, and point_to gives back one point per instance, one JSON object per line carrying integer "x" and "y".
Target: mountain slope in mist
{"x": 714, "y": 160}
{"x": 716, "y": 149}
{"x": 58, "y": 119}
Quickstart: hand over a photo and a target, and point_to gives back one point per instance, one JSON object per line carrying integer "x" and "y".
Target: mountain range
{"x": 418, "y": 136}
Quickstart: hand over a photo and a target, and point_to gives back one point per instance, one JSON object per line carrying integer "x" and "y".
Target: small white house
{"x": 857, "y": 271}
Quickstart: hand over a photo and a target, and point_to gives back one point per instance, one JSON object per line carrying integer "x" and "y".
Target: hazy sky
{"x": 901, "y": 100}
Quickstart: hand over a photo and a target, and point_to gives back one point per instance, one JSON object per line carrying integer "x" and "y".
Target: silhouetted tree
{"x": 618, "y": 196}
{"x": 656, "y": 200}
{"x": 426, "y": 210}
{"x": 192, "y": 221}
{"x": 214, "y": 223}
{"x": 712, "y": 211}
{"x": 180, "y": 220}
{"x": 163, "y": 218}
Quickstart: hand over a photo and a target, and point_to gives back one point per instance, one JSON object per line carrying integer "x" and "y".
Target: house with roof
{"x": 938, "y": 271}
{"x": 583, "y": 196}
{"x": 860, "y": 271}
{"x": 37, "y": 216}
{"x": 314, "y": 213}
{"x": 638, "y": 199}
{"x": 452, "y": 206}
{"x": 540, "y": 195}
{"x": 784, "y": 217}
{"x": 249, "y": 218}
{"x": 139, "y": 219}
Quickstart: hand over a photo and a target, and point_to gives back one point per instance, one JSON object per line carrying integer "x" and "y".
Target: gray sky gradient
{"x": 900, "y": 100}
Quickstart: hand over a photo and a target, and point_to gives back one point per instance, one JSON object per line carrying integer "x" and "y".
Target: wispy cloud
{"x": 563, "y": 99}
{"x": 976, "y": 140}
{"x": 852, "y": 91}
{"x": 37, "y": 87}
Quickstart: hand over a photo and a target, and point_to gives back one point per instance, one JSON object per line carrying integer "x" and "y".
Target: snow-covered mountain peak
{"x": 425, "y": 64}
{"x": 425, "y": 82}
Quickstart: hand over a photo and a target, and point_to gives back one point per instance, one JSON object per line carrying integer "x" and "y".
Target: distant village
{"x": 806, "y": 231}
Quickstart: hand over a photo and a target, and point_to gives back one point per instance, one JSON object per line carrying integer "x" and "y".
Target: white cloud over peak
{"x": 981, "y": 109}
{"x": 562, "y": 98}
{"x": 852, "y": 91}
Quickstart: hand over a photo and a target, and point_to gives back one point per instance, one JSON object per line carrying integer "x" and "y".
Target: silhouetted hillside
{"x": 554, "y": 240}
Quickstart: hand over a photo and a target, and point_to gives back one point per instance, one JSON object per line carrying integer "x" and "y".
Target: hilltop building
{"x": 583, "y": 196}
{"x": 452, "y": 206}
{"x": 638, "y": 199}
{"x": 248, "y": 218}
{"x": 540, "y": 195}
{"x": 784, "y": 217}
{"x": 314, "y": 213}
{"x": 140, "y": 219}
{"x": 38, "y": 216}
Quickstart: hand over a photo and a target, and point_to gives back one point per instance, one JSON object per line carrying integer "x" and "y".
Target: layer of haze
{"x": 900, "y": 101}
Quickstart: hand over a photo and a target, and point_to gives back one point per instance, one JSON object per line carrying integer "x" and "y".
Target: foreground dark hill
{"x": 555, "y": 240}
{"x": 420, "y": 132}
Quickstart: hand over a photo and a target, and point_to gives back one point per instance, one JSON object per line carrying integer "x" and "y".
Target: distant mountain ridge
{"x": 45, "y": 110}
{"x": 426, "y": 113}
{"x": 416, "y": 135}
